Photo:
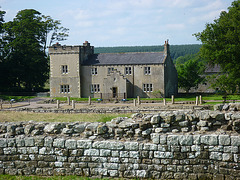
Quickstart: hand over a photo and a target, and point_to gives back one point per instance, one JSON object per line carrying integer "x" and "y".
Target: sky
{"x": 107, "y": 23}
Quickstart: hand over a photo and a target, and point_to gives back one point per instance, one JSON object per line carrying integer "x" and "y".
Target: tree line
{"x": 24, "y": 63}
{"x": 176, "y": 50}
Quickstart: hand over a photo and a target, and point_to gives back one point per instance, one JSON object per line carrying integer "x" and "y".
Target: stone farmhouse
{"x": 75, "y": 71}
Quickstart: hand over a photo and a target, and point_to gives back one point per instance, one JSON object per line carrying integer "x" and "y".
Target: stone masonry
{"x": 166, "y": 145}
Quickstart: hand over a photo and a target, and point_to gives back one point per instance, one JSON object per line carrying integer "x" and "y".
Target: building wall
{"x": 58, "y": 58}
{"x": 136, "y": 80}
{"x": 171, "y": 78}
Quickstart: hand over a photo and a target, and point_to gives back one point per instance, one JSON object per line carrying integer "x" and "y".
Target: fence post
{"x": 58, "y": 104}
{"x": 200, "y": 99}
{"x": 1, "y": 103}
{"x": 68, "y": 100}
{"x": 73, "y": 104}
{"x": 164, "y": 102}
{"x": 100, "y": 95}
{"x": 134, "y": 102}
{"x": 138, "y": 100}
{"x": 172, "y": 99}
{"x": 89, "y": 100}
{"x": 28, "y": 101}
{"x": 196, "y": 100}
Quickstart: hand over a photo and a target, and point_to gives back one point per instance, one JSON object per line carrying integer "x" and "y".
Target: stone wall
{"x": 171, "y": 156}
{"x": 165, "y": 145}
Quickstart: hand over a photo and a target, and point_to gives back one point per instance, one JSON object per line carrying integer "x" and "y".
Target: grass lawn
{"x": 9, "y": 177}
{"x": 17, "y": 98}
{"x": 11, "y": 116}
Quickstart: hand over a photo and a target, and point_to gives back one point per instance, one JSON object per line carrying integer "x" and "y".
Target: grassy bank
{"x": 8, "y": 116}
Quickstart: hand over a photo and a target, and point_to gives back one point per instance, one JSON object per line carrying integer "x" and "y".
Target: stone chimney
{"x": 86, "y": 43}
{"x": 166, "y": 48}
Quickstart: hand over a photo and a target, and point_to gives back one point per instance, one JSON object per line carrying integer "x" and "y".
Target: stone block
{"x": 20, "y": 142}
{"x": 224, "y": 140}
{"x": 59, "y": 142}
{"x": 209, "y": 140}
{"x": 32, "y": 150}
{"x": 91, "y": 152}
{"x": 39, "y": 141}
{"x": 29, "y": 141}
{"x": 134, "y": 146}
{"x": 227, "y": 157}
{"x": 163, "y": 139}
{"x": 84, "y": 144}
{"x": 71, "y": 144}
{"x": 111, "y": 166}
{"x": 155, "y": 119}
{"x": 10, "y": 150}
{"x": 172, "y": 140}
{"x": 150, "y": 147}
{"x": 113, "y": 173}
{"x": 216, "y": 156}
{"x": 105, "y": 152}
{"x": 11, "y": 142}
{"x": 235, "y": 140}
{"x": 48, "y": 141}
{"x": 197, "y": 139}
{"x": 142, "y": 174}
{"x": 134, "y": 154}
{"x": 124, "y": 154}
{"x": 185, "y": 140}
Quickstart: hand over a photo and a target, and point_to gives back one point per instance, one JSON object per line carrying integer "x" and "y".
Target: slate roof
{"x": 125, "y": 58}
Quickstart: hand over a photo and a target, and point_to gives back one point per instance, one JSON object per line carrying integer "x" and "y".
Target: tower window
{"x": 147, "y": 87}
{"x": 64, "y": 69}
{"x": 94, "y": 71}
{"x": 64, "y": 88}
{"x": 95, "y": 88}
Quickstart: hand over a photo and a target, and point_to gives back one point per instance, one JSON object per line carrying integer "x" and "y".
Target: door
{"x": 114, "y": 90}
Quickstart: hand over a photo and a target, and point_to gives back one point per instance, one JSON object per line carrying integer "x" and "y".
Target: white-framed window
{"x": 64, "y": 88}
{"x": 95, "y": 88}
{"x": 128, "y": 70}
{"x": 94, "y": 71}
{"x": 147, "y": 70}
{"x": 147, "y": 87}
{"x": 110, "y": 69}
{"x": 64, "y": 69}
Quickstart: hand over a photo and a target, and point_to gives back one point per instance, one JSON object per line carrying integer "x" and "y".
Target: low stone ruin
{"x": 139, "y": 127}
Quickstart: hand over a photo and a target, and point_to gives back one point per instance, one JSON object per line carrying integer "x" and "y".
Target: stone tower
{"x": 65, "y": 68}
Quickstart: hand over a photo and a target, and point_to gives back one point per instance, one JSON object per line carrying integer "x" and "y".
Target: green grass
{"x": 17, "y": 98}
{"x": 7, "y": 116}
{"x": 75, "y": 99}
{"x": 10, "y": 177}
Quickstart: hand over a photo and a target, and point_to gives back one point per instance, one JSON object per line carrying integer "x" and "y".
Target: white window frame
{"x": 64, "y": 69}
{"x": 94, "y": 71}
{"x": 95, "y": 88}
{"x": 128, "y": 70}
{"x": 64, "y": 89}
{"x": 147, "y": 70}
{"x": 148, "y": 87}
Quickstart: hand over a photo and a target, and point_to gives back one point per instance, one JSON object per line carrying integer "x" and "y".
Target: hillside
{"x": 176, "y": 50}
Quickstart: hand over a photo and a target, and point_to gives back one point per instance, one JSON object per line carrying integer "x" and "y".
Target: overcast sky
{"x": 125, "y": 22}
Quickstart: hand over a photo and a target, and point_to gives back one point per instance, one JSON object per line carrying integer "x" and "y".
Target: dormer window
{"x": 110, "y": 69}
{"x": 64, "y": 69}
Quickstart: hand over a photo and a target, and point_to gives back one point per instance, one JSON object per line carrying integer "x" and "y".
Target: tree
{"x": 26, "y": 40}
{"x": 221, "y": 44}
{"x": 189, "y": 74}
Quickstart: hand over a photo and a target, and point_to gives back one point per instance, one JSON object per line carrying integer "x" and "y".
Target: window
{"x": 95, "y": 88}
{"x": 147, "y": 87}
{"x": 128, "y": 70}
{"x": 110, "y": 70}
{"x": 64, "y": 89}
{"x": 94, "y": 71}
{"x": 147, "y": 70}
{"x": 64, "y": 69}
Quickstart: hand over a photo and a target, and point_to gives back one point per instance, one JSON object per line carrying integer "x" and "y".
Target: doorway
{"x": 114, "y": 91}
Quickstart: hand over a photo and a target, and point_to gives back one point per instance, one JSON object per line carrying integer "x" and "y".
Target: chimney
{"x": 166, "y": 48}
{"x": 86, "y": 43}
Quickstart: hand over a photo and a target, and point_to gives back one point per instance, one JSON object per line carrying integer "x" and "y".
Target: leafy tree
{"x": 189, "y": 74}
{"x": 221, "y": 44}
{"x": 26, "y": 40}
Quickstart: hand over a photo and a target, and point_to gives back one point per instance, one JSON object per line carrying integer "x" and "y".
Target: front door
{"x": 114, "y": 90}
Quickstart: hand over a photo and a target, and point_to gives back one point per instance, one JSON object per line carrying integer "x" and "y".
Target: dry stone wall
{"x": 169, "y": 157}
{"x": 165, "y": 145}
